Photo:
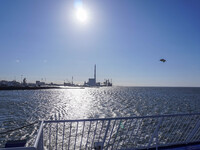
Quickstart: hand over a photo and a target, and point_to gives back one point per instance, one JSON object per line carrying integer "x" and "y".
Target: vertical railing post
{"x": 161, "y": 120}
{"x": 39, "y": 139}
{"x": 155, "y": 134}
{"x": 41, "y": 144}
{"x": 104, "y": 139}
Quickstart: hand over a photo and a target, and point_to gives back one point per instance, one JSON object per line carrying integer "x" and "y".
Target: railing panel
{"x": 176, "y": 130}
{"x": 122, "y": 133}
{"x": 118, "y": 133}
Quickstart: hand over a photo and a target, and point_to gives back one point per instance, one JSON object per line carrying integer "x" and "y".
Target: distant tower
{"x": 95, "y": 73}
{"x": 24, "y": 81}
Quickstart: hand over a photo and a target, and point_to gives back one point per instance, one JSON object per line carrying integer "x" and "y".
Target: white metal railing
{"x": 119, "y": 133}
{"x": 122, "y": 133}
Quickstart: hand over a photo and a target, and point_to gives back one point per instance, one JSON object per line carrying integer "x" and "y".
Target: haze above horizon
{"x": 125, "y": 39}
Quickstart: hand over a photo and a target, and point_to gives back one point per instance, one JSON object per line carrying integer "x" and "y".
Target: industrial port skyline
{"x": 92, "y": 82}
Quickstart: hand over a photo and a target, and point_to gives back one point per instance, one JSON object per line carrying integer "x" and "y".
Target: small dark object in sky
{"x": 163, "y": 60}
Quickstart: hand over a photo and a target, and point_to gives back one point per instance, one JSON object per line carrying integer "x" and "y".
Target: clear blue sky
{"x": 126, "y": 39}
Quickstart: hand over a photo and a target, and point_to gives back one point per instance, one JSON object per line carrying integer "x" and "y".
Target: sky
{"x": 44, "y": 40}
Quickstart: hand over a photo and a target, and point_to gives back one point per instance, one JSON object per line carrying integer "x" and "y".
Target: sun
{"x": 82, "y": 15}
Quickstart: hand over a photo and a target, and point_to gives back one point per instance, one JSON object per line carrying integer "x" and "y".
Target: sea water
{"x": 24, "y": 107}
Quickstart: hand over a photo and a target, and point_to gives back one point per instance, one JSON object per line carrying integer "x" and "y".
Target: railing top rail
{"x": 39, "y": 134}
{"x": 121, "y": 118}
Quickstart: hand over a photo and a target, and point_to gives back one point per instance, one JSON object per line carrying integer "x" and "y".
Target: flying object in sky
{"x": 163, "y": 60}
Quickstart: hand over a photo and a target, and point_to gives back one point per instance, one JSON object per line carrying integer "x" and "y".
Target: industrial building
{"x": 93, "y": 81}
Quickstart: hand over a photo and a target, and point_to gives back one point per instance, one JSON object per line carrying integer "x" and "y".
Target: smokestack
{"x": 95, "y": 73}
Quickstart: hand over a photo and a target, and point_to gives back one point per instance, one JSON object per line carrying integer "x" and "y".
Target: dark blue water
{"x": 18, "y": 108}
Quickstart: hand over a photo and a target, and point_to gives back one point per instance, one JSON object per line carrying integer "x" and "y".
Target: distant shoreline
{"x": 27, "y": 88}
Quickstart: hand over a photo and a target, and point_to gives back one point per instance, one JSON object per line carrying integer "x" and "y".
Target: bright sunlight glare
{"x": 81, "y": 15}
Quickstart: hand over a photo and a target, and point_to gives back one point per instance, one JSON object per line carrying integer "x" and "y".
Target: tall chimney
{"x": 95, "y": 73}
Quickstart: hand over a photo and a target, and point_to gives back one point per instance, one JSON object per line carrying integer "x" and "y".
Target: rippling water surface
{"x": 19, "y": 108}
